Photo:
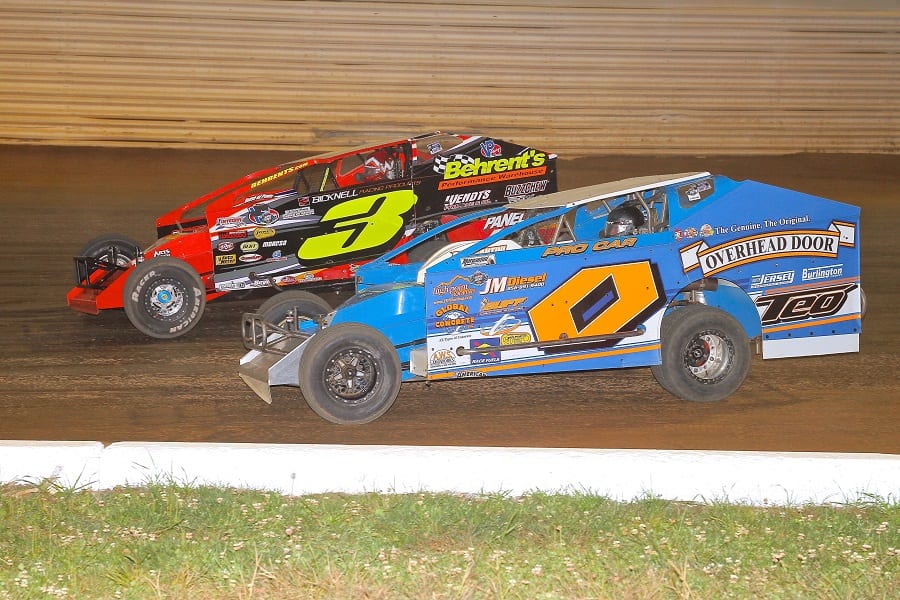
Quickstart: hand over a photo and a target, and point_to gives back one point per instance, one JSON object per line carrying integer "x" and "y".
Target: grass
{"x": 175, "y": 541}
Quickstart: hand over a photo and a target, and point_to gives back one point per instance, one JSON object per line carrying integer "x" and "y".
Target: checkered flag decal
{"x": 440, "y": 162}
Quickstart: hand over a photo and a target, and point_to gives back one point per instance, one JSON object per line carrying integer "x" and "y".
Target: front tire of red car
{"x": 164, "y": 297}
{"x": 350, "y": 374}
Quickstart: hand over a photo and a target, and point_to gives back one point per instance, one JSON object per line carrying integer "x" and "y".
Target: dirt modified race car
{"x": 675, "y": 272}
{"x": 311, "y": 222}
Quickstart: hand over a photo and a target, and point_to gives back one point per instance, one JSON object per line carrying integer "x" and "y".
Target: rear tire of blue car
{"x": 350, "y": 374}
{"x": 164, "y": 297}
{"x": 705, "y": 354}
{"x": 287, "y": 308}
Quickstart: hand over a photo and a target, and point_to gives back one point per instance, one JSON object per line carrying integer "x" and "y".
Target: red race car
{"x": 307, "y": 223}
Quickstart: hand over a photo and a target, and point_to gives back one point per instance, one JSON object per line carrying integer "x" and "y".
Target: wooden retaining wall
{"x": 575, "y": 77}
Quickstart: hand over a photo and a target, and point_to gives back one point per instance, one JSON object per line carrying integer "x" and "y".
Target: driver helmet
{"x": 381, "y": 164}
{"x": 624, "y": 220}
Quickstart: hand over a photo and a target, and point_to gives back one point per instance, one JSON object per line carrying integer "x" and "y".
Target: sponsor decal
{"x": 695, "y": 191}
{"x": 278, "y": 175}
{"x": 249, "y": 246}
{"x": 520, "y": 191}
{"x": 460, "y": 171}
{"x": 824, "y": 272}
{"x": 509, "y": 283}
{"x": 453, "y": 315}
{"x": 489, "y": 356}
{"x": 341, "y": 195}
{"x": 804, "y": 304}
{"x": 754, "y": 226}
{"x": 165, "y": 252}
{"x": 505, "y": 324}
{"x": 441, "y": 359}
{"x": 226, "y": 259}
{"x": 301, "y": 278}
{"x": 688, "y": 233}
{"x": 467, "y": 199}
{"x": 247, "y": 258}
{"x": 458, "y": 286}
{"x": 225, "y": 246}
{"x": 479, "y": 260}
{"x": 262, "y": 215}
{"x": 232, "y": 235}
{"x": 449, "y": 339}
{"x": 489, "y": 306}
{"x": 491, "y": 149}
{"x": 256, "y": 198}
{"x": 229, "y": 222}
{"x": 750, "y": 249}
{"x": 274, "y": 244}
{"x": 769, "y": 279}
{"x": 503, "y": 220}
{"x": 296, "y": 213}
{"x": 262, "y": 233}
{"x": 598, "y": 246}
{"x": 464, "y": 374}
{"x": 601, "y": 245}
{"x": 511, "y": 339}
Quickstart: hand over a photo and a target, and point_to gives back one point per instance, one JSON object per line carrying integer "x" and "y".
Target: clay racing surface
{"x": 67, "y": 376}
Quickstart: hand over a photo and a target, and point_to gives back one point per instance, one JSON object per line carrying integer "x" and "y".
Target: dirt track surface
{"x": 67, "y": 376}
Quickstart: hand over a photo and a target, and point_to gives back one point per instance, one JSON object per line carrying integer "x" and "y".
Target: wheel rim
{"x": 292, "y": 318}
{"x": 708, "y": 356}
{"x": 122, "y": 260}
{"x": 166, "y": 299}
{"x": 350, "y": 375}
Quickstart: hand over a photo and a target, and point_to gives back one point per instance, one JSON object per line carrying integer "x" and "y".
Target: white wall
{"x": 757, "y": 478}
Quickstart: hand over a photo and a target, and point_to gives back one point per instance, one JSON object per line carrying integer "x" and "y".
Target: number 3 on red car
{"x": 360, "y": 225}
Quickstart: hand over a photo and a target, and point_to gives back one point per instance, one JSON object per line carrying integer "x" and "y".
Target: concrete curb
{"x": 755, "y": 478}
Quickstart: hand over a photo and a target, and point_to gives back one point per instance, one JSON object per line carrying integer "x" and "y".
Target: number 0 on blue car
{"x": 687, "y": 274}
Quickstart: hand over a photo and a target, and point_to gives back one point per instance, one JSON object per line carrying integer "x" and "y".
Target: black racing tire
{"x": 423, "y": 251}
{"x": 99, "y": 248}
{"x": 659, "y": 373}
{"x": 283, "y": 308}
{"x": 164, "y": 297}
{"x": 350, "y": 374}
{"x": 705, "y": 354}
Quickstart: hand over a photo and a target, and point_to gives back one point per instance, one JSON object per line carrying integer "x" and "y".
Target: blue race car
{"x": 675, "y": 272}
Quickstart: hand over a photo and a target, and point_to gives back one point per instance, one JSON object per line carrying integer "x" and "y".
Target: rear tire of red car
{"x": 350, "y": 374}
{"x": 164, "y": 297}
{"x": 126, "y": 249}
{"x": 705, "y": 354}
{"x": 286, "y": 308}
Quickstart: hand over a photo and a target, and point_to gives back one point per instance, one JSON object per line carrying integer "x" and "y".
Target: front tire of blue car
{"x": 705, "y": 354}
{"x": 350, "y": 374}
